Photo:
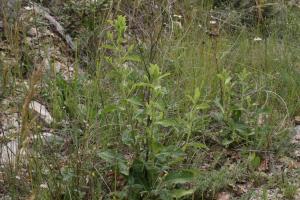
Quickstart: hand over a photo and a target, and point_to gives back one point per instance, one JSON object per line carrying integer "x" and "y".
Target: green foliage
{"x": 254, "y": 161}
{"x": 289, "y": 191}
{"x": 116, "y": 161}
{"x": 238, "y": 110}
{"x": 153, "y": 117}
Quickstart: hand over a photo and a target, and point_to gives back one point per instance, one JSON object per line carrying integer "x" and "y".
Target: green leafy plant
{"x": 143, "y": 116}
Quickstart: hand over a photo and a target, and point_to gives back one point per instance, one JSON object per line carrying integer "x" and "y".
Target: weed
{"x": 162, "y": 111}
{"x": 289, "y": 191}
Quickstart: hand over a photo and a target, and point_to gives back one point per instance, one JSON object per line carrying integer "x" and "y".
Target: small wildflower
{"x": 44, "y": 186}
{"x": 256, "y": 39}
{"x": 28, "y": 8}
{"x": 213, "y": 22}
{"x": 178, "y": 16}
{"x": 18, "y": 177}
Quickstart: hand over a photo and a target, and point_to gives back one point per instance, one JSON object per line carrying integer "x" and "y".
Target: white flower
{"x": 44, "y": 186}
{"x": 257, "y": 39}
{"x": 178, "y": 16}
{"x": 213, "y": 22}
{"x": 28, "y": 8}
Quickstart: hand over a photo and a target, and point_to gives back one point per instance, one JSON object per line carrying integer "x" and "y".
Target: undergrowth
{"x": 165, "y": 105}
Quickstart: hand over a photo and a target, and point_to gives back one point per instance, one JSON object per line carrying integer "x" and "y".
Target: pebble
{"x": 33, "y": 32}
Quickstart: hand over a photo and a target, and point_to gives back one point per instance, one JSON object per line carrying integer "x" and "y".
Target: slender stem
{"x": 216, "y": 62}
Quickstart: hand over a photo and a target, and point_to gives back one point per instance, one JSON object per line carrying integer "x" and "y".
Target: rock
{"x": 297, "y": 153}
{"x": 42, "y": 111}
{"x": 48, "y": 138}
{"x": 33, "y": 32}
{"x": 223, "y": 196}
{"x": 296, "y": 137}
{"x": 9, "y": 152}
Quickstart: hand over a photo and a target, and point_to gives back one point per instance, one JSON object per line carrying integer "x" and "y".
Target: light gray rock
{"x": 48, "y": 138}
{"x": 297, "y": 130}
{"x": 296, "y": 135}
{"x": 42, "y": 111}
{"x": 8, "y": 152}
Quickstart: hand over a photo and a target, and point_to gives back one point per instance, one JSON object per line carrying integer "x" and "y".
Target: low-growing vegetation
{"x": 149, "y": 99}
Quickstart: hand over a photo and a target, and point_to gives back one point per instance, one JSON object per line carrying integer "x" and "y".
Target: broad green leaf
{"x": 109, "y": 109}
{"x": 163, "y": 76}
{"x": 110, "y": 156}
{"x": 110, "y": 47}
{"x": 167, "y": 123}
{"x": 218, "y": 104}
{"x": 134, "y": 101}
{"x": 115, "y": 159}
{"x": 180, "y": 177}
{"x": 254, "y": 160}
{"x": 197, "y": 145}
{"x": 137, "y": 85}
{"x": 143, "y": 173}
{"x": 197, "y": 94}
{"x": 227, "y": 81}
{"x": 202, "y": 106}
{"x": 133, "y": 58}
{"x": 179, "y": 193}
{"x": 128, "y": 138}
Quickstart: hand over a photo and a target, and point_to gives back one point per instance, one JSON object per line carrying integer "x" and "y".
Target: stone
{"x": 223, "y": 196}
{"x": 42, "y": 111}
{"x": 296, "y": 137}
{"x": 9, "y": 152}
{"x": 48, "y": 138}
{"x": 33, "y": 32}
